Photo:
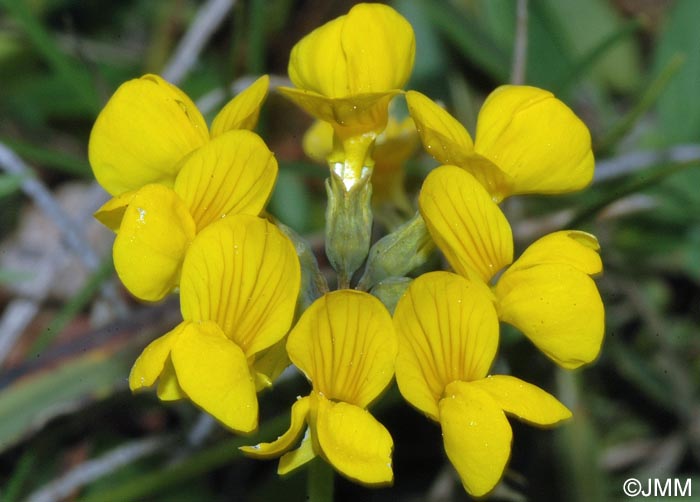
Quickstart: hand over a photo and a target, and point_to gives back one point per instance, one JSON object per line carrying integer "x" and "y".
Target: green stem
{"x": 319, "y": 486}
{"x": 641, "y": 182}
{"x": 226, "y": 452}
{"x": 73, "y": 307}
{"x": 563, "y": 86}
{"x": 647, "y": 100}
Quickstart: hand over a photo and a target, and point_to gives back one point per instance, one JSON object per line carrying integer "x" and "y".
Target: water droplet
{"x": 142, "y": 214}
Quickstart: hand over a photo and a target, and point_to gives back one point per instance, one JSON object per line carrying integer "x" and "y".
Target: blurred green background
{"x": 70, "y": 429}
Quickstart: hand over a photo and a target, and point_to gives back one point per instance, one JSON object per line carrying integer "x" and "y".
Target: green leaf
{"x": 679, "y": 107}
{"x": 154, "y": 482}
{"x": 471, "y": 38}
{"x": 30, "y": 402}
{"x": 10, "y": 276}
{"x": 50, "y": 158}
{"x": 584, "y": 26}
{"x": 73, "y": 75}
{"x": 10, "y": 183}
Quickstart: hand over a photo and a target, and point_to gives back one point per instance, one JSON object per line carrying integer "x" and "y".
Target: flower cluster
{"x": 188, "y": 212}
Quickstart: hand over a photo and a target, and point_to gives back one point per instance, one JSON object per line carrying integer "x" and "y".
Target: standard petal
{"x": 443, "y": 137}
{"x": 536, "y": 139}
{"x": 447, "y": 330}
{"x": 317, "y": 62}
{"x": 558, "y": 308}
{"x": 477, "y": 436}
{"x": 465, "y": 223}
{"x": 213, "y": 372}
{"x": 300, "y": 410}
{"x": 232, "y": 174}
{"x": 294, "y": 459}
{"x": 346, "y": 345}
{"x": 142, "y": 133}
{"x": 151, "y": 362}
{"x": 242, "y": 112}
{"x": 354, "y": 442}
{"x": 112, "y": 211}
{"x": 154, "y": 235}
{"x": 244, "y": 274}
{"x": 379, "y": 46}
{"x": 571, "y": 247}
{"x": 524, "y": 400}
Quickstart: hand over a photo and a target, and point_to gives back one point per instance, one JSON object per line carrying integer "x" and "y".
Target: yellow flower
{"x": 527, "y": 141}
{"x": 392, "y": 148}
{"x": 345, "y": 345}
{"x": 238, "y": 292}
{"x": 233, "y": 173}
{"x": 149, "y": 126}
{"x": 448, "y": 335}
{"x": 547, "y": 293}
{"x": 346, "y": 72}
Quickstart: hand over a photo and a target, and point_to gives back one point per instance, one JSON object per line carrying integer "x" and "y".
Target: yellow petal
{"x": 318, "y": 141}
{"x": 558, "y": 308}
{"x": 354, "y": 442}
{"x": 477, "y": 436}
{"x": 154, "y": 235}
{"x": 449, "y": 143}
{"x": 524, "y": 400}
{"x": 465, "y": 223}
{"x": 571, "y": 247}
{"x": 535, "y": 139}
{"x": 371, "y": 49}
{"x": 151, "y": 362}
{"x": 294, "y": 459}
{"x": 351, "y": 115}
{"x": 168, "y": 387}
{"x": 447, "y": 330}
{"x": 496, "y": 182}
{"x": 232, "y": 174}
{"x": 272, "y": 362}
{"x": 443, "y": 137}
{"x": 317, "y": 63}
{"x": 112, "y": 211}
{"x": 300, "y": 409}
{"x": 242, "y": 112}
{"x": 379, "y": 46}
{"x": 394, "y": 146}
{"x": 244, "y": 274}
{"x": 142, "y": 133}
{"x": 213, "y": 372}
{"x": 345, "y": 344}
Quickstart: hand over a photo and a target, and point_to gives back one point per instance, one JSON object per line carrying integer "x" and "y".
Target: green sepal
{"x": 397, "y": 253}
{"x": 348, "y": 225}
{"x": 390, "y": 290}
